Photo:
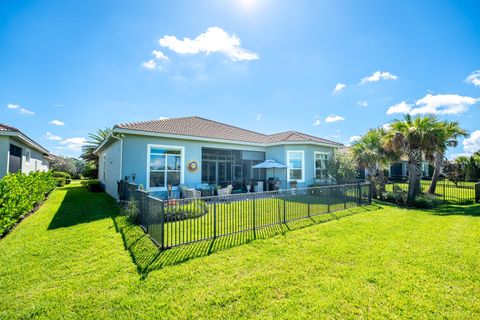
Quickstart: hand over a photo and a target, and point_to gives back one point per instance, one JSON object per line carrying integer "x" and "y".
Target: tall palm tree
{"x": 448, "y": 136}
{"x": 370, "y": 153}
{"x": 415, "y": 137}
{"x": 95, "y": 139}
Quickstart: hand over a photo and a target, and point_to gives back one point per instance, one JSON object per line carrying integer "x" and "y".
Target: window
{"x": 321, "y": 159}
{"x": 28, "y": 155}
{"x": 165, "y": 166}
{"x": 296, "y": 164}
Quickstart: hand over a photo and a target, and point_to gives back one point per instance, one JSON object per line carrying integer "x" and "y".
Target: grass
{"x": 77, "y": 258}
{"x": 446, "y": 190}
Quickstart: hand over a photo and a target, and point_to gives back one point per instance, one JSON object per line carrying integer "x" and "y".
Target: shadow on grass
{"x": 147, "y": 256}
{"x": 80, "y": 206}
{"x": 458, "y": 210}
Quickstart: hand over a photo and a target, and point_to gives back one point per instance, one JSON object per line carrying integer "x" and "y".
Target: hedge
{"x": 20, "y": 193}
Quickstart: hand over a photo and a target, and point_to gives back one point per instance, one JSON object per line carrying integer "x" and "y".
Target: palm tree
{"x": 95, "y": 140}
{"x": 370, "y": 153}
{"x": 448, "y": 136}
{"x": 415, "y": 137}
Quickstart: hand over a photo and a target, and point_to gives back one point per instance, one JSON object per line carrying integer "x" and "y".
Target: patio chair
{"x": 192, "y": 193}
{"x": 225, "y": 191}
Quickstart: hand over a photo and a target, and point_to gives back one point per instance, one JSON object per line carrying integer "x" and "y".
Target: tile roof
{"x": 6, "y": 127}
{"x": 204, "y": 128}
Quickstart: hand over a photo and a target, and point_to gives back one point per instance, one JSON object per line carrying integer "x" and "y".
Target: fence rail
{"x": 176, "y": 222}
{"x": 447, "y": 191}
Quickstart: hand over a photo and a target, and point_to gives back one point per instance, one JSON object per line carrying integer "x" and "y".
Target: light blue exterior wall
{"x": 135, "y": 158}
{"x": 135, "y": 155}
{"x": 109, "y": 167}
{"x": 37, "y": 160}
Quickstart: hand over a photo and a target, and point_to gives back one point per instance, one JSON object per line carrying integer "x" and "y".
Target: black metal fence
{"x": 175, "y": 222}
{"x": 447, "y": 191}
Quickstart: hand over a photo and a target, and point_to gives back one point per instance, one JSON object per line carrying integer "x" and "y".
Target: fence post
{"x": 308, "y": 204}
{"x": 328, "y": 198}
{"x": 254, "y": 218}
{"x": 214, "y": 219}
{"x": 359, "y": 190}
{"x": 162, "y": 225}
{"x": 444, "y": 191}
{"x": 284, "y": 209}
{"x": 344, "y": 198}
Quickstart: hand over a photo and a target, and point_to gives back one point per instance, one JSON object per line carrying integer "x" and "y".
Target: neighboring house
{"x": 399, "y": 170}
{"x": 20, "y": 153}
{"x": 192, "y": 151}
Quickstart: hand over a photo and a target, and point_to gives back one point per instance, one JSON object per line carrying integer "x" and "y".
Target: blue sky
{"x": 264, "y": 65}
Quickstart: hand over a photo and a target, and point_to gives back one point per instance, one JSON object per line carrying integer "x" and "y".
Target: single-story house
{"x": 194, "y": 151}
{"x": 20, "y": 153}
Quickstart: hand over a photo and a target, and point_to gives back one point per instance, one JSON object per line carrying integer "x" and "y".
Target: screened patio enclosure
{"x": 225, "y": 166}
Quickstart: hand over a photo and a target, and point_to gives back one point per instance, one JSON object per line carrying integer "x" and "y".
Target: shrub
{"x": 424, "y": 201}
{"x": 131, "y": 210}
{"x": 20, "y": 193}
{"x": 176, "y": 212}
{"x": 60, "y": 181}
{"x": 68, "y": 181}
{"x": 92, "y": 185}
{"x": 59, "y": 174}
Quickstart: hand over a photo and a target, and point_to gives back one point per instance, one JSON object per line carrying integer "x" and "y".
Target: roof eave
{"x": 26, "y": 140}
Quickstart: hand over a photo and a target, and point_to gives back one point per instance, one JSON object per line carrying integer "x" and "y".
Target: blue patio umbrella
{"x": 270, "y": 164}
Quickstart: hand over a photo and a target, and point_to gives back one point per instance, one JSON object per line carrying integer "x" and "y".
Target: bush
{"x": 59, "y": 174}
{"x": 426, "y": 202}
{"x": 68, "y": 181}
{"x": 93, "y": 185}
{"x": 131, "y": 210}
{"x": 176, "y": 212}
{"x": 60, "y": 181}
{"x": 20, "y": 193}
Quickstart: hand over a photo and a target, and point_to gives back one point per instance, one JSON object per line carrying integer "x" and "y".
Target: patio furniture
{"x": 225, "y": 191}
{"x": 270, "y": 164}
{"x": 192, "y": 193}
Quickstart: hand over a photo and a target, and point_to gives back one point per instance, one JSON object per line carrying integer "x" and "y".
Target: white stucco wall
{"x": 109, "y": 167}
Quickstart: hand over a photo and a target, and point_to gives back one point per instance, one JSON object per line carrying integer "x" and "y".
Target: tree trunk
{"x": 372, "y": 172}
{"x": 414, "y": 174}
{"x": 381, "y": 178}
{"x": 436, "y": 172}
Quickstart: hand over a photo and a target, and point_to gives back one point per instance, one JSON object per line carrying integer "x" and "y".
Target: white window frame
{"x": 28, "y": 156}
{"x": 182, "y": 162}
{"x": 289, "y": 152}
{"x": 315, "y": 153}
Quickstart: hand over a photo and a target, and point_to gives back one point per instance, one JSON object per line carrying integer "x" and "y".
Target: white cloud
{"x": 20, "y": 109}
{"x": 150, "y": 64}
{"x": 317, "y": 122}
{"x": 472, "y": 144}
{"x": 57, "y": 123}
{"x": 58, "y": 105}
{"x": 74, "y": 144}
{"x": 162, "y": 118}
{"x": 352, "y": 139}
{"x": 334, "y": 118}
{"x": 51, "y": 136}
{"x": 258, "y": 116}
{"x": 363, "y": 104}
{"x": 474, "y": 78}
{"x": 377, "y": 76}
{"x": 339, "y": 87}
{"x": 214, "y": 39}
{"x": 401, "y": 107}
{"x": 436, "y": 104}
{"x": 159, "y": 55}
{"x": 387, "y": 126}
{"x": 443, "y": 104}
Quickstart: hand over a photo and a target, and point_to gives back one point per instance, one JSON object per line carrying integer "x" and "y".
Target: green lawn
{"x": 77, "y": 258}
{"x": 446, "y": 190}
